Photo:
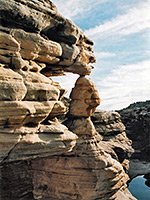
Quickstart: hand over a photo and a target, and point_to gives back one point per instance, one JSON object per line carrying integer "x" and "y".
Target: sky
{"x": 120, "y": 30}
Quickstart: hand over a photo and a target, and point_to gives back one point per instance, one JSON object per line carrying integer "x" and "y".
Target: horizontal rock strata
{"x": 41, "y": 158}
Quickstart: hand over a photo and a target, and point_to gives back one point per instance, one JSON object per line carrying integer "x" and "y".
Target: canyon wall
{"x": 136, "y": 118}
{"x": 42, "y": 157}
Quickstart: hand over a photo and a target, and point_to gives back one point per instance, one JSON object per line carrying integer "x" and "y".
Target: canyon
{"x": 85, "y": 155}
{"x": 136, "y": 118}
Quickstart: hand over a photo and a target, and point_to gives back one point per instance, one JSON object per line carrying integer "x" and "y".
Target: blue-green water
{"x": 138, "y": 188}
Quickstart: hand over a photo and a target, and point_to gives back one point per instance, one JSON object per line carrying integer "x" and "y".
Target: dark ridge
{"x": 139, "y": 104}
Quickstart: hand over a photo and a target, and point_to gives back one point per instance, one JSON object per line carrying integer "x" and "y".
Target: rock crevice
{"x": 136, "y": 118}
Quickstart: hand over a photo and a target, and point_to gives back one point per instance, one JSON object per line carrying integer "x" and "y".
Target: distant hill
{"x": 139, "y": 104}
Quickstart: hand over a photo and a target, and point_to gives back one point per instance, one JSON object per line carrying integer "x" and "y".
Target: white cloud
{"x": 126, "y": 84}
{"x": 135, "y": 20}
{"x": 75, "y": 8}
{"x": 104, "y": 54}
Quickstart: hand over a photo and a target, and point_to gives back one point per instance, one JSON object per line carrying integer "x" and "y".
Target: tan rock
{"x": 17, "y": 62}
{"x": 53, "y": 70}
{"x": 79, "y": 68}
{"x": 62, "y": 90}
{"x": 85, "y": 98}
{"x": 58, "y": 109}
{"x": 67, "y": 31}
{"x": 11, "y": 85}
{"x": 35, "y": 47}
{"x": 86, "y": 56}
{"x": 18, "y": 113}
{"x": 39, "y": 87}
{"x": 49, "y": 161}
{"x": 115, "y": 141}
{"x": 103, "y": 116}
{"x": 34, "y": 77}
{"x": 36, "y": 67}
{"x": 42, "y": 17}
{"x": 7, "y": 42}
{"x": 41, "y": 92}
{"x": 7, "y": 142}
{"x": 28, "y": 142}
{"x": 9, "y": 50}
{"x": 125, "y": 195}
{"x": 86, "y": 52}
{"x": 81, "y": 126}
{"x": 5, "y": 59}
{"x": 85, "y": 174}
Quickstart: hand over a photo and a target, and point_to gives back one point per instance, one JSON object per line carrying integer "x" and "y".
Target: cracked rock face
{"x": 40, "y": 157}
{"x": 137, "y": 121}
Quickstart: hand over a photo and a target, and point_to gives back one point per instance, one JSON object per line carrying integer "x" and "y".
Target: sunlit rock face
{"x": 41, "y": 157}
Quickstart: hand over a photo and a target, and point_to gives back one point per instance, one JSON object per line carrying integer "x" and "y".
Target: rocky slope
{"x": 136, "y": 118}
{"x": 41, "y": 158}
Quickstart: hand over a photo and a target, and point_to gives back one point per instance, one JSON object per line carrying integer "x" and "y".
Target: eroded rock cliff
{"x": 40, "y": 157}
{"x": 136, "y": 118}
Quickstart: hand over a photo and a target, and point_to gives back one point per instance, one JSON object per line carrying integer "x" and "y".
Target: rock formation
{"x": 41, "y": 158}
{"x": 136, "y": 118}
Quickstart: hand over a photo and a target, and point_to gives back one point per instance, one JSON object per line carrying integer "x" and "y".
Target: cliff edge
{"x": 136, "y": 118}
{"x": 40, "y": 157}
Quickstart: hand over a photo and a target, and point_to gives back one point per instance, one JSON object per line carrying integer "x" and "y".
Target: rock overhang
{"x": 36, "y": 43}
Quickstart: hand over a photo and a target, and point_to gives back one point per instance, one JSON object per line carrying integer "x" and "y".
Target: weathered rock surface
{"x": 76, "y": 176}
{"x": 34, "y": 30}
{"x": 32, "y": 142}
{"x": 136, "y": 118}
{"x": 85, "y": 98}
{"x": 81, "y": 126}
{"x": 86, "y": 172}
{"x": 115, "y": 142}
{"x": 41, "y": 158}
{"x": 12, "y": 87}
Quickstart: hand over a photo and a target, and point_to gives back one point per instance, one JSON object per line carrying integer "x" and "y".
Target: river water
{"x": 138, "y": 188}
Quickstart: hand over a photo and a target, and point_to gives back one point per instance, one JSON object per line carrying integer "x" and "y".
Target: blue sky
{"x": 120, "y": 30}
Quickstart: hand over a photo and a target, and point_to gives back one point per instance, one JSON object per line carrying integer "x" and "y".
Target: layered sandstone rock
{"x": 41, "y": 158}
{"x": 115, "y": 142}
{"x": 34, "y": 30}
